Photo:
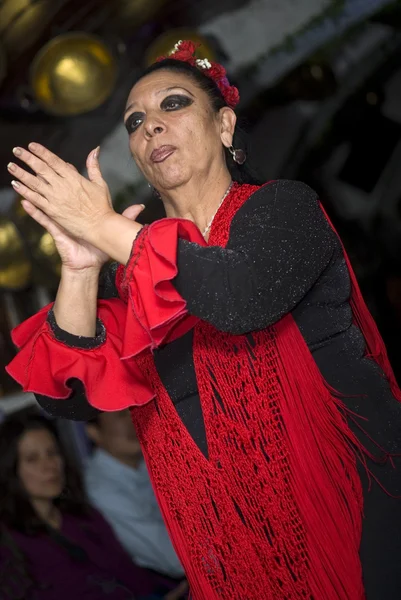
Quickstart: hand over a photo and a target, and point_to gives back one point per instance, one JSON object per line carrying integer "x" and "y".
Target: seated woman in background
{"x": 53, "y": 544}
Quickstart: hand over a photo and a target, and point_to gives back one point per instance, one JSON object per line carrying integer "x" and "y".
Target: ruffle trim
{"x": 158, "y": 313}
{"x": 149, "y": 313}
{"x": 44, "y": 365}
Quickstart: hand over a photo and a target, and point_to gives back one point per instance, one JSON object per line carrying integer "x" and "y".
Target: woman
{"x": 52, "y": 544}
{"x": 236, "y": 337}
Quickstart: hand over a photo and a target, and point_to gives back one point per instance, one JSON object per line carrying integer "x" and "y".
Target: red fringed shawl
{"x": 275, "y": 512}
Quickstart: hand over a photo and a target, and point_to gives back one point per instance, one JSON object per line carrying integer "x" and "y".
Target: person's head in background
{"x": 114, "y": 433}
{"x": 37, "y": 481}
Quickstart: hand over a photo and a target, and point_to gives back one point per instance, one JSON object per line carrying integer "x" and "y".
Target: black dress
{"x": 283, "y": 256}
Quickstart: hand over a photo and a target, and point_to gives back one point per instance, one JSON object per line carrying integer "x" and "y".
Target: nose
{"x": 49, "y": 464}
{"x": 153, "y": 127}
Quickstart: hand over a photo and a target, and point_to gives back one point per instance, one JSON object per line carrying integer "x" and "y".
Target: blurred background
{"x": 320, "y": 84}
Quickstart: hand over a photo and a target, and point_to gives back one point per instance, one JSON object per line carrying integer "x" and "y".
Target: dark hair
{"x": 16, "y": 510}
{"x": 240, "y": 173}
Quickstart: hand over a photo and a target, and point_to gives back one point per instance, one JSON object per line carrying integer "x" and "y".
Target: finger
{"x": 57, "y": 164}
{"x": 33, "y": 182}
{"x": 72, "y": 167}
{"x": 36, "y": 164}
{"x": 132, "y": 212}
{"x": 41, "y": 218}
{"x": 93, "y": 167}
{"x": 33, "y": 197}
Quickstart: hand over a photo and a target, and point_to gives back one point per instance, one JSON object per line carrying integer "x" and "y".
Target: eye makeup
{"x": 170, "y": 103}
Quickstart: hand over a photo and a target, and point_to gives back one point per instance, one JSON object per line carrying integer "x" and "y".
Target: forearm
{"x": 75, "y": 307}
{"x": 114, "y": 236}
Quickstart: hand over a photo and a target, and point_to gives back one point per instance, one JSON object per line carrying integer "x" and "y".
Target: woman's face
{"x": 174, "y": 135}
{"x": 40, "y": 465}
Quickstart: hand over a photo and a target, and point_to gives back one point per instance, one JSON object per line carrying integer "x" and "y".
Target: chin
{"x": 172, "y": 178}
{"x": 52, "y": 491}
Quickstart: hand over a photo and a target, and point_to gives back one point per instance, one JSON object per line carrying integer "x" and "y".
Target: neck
{"x": 197, "y": 200}
{"x": 46, "y": 510}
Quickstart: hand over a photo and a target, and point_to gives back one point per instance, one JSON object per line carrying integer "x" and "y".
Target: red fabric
{"x": 158, "y": 313}
{"x": 43, "y": 365}
{"x": 265, "y": 516}
{"x": 186, "y": 52}
{"x": 149, "y": 313}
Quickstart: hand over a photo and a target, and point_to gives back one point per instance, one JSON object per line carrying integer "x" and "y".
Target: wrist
{"x": 114, "y": 235}
{"x": 85, "y": 273}
{"x": 75, "y": 307}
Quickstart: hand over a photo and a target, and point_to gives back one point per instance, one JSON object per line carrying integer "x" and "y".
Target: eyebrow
{"x": 173, "y": 87}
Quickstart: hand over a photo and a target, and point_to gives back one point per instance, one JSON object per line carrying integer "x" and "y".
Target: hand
{"x": 71, "y": 201}
{"x": 76, "y": 255}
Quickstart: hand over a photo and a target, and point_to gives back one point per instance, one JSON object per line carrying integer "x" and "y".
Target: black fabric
{"x": 283, "y": 256}
{"x": 77, "y": 341}
{"x": 74, "y": 551}
{"x": 280, "y": 243}
{"x": 76, "y": 407}
{"x": 107, "y": 281}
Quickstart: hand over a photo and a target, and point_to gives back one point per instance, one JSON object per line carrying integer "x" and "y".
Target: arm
{"x": 84, "y": 293}
{"x": 75, "y": 307}
{"x": 280, "y": 243}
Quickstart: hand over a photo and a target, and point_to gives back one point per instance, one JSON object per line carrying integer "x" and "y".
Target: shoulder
{"x": 286, "y": 202}
{"x": 286, "y": 206}
{"x": 108, "y": 493}
{"x": 285, "y": 193}
{"x": 98, "y": 477}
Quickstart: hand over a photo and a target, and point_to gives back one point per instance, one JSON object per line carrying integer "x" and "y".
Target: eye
{"x": 31, "y": 458}
{"x": 133, "y": 122}
{"x": 175, "y": 102}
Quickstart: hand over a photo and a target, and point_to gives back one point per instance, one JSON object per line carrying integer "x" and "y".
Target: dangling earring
{"x": 238, "y": 155}
{"x": 154, "y": 191}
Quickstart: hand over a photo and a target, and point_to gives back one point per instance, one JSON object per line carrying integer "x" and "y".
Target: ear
{"x": 93, "y": 433}
{"x": 228, "y": 119}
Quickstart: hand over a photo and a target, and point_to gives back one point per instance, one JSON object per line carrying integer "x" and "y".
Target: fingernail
{"x": 15, "y": 184}
{"x": 11, "y": 166}
{"x": 143, "y": 206}
{"x": 32, "y": 146}
{"x": 17, "y": 151}
{"x": 96, "y": 152}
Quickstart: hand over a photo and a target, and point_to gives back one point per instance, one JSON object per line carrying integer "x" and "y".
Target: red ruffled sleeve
{"x": 149, "y": 313}
{"x": 156, "y": 312}
{"x": 43, "y": 364}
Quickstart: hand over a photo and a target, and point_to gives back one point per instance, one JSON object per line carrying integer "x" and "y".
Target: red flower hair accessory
{"x": 184, "y": 50}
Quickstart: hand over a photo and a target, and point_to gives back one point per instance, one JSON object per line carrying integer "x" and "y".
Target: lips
{"x": 160, "y": 154}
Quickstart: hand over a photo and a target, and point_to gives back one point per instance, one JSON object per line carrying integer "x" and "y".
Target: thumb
{"x": 93, "y": 167}
{"x": 132, "y": 212}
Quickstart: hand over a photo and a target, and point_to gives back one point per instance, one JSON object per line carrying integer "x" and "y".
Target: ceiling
{"x": 127, "y": 26}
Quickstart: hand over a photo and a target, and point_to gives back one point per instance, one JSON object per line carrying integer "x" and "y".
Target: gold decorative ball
{"x": 73, "y": 74}
{"x": 15, "y": 266}
{"x": 130, "y": 14}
